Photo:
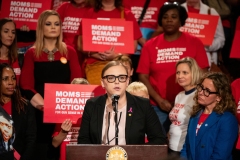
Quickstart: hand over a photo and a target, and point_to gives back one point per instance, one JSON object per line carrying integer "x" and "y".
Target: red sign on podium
{"x": 102, "y": 34}
{"x": 202, "y": 26}
{"x": 24, "y": 12}
{"x": 67, "y": 101}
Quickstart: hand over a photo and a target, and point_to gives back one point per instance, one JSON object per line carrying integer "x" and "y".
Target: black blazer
{"x": 143, "y": 120}
{"x": 25, "y": 131}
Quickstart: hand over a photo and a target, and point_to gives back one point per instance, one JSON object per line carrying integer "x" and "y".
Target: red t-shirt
{"x": 158, "y": 59}
{"x": 149, "y": 22}
{"x": 151, "y": 16}
{"x": 192, "y": 9}
{"x": 236, "y": 94}
{"x": 15, "y": 67}
{"x": 238, "y": 24}
{"x": 8, "y": 107}
{"x": 201, "y": 120}
{"x": 70, "y": 139}
{"x": 71, "y": 17}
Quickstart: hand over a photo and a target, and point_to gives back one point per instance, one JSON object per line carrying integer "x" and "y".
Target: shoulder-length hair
{"x": 39, "y": 44}
{"x": 16, "y": 98}
{"x": 12, "y": 52}
{"x": 222, "y": 86}
{"x": 97, "y": 4}
{"x": 194, "y": 68}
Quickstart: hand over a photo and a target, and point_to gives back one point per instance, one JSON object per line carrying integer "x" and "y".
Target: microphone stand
{"x": 115, "y": 108}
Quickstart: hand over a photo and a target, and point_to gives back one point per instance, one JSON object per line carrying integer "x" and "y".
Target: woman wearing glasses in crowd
{"x": 213, "y": 127}
{"x": 135, "y": 115}
{"x": 187, "y": 76}
{"x": 159, "y": 55}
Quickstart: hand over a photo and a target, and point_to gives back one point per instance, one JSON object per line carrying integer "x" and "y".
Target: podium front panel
{"x": 98, "y": 152}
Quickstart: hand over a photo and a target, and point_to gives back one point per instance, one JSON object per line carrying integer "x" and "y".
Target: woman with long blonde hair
{"x": 49, "y": 61}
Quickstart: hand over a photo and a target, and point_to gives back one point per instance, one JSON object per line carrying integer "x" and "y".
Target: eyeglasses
{"x": 169, "y": 3}
{"x": 112, "y": 78}
{"x": 206, "y": 91}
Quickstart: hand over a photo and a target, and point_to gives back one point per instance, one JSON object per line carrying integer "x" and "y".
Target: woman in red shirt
{"x": 8, "y": 45}
{"x": 49, "y": 61}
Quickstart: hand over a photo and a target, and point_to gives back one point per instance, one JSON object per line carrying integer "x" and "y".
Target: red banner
{"x": 24, "y": 12}
{"x": 67, "y": 101}
{"x": 235, "y": 51}
{"x": 101, "y": 34}
{"x": 202, "y": 26}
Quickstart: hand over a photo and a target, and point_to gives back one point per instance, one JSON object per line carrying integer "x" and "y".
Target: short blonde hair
{"x": 136, "y": 87}
{"x": 79, "y": 81}
{"x": 194, "y": 68}
{"x": 124, "y": 59}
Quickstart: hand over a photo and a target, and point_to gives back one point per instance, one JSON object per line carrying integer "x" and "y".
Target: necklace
{"x": 50, "y": 53}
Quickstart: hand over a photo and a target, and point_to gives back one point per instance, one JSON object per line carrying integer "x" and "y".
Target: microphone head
{"x": 115, "y": 97}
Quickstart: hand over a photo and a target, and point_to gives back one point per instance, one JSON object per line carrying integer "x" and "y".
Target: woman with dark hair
{"x": 97, "y": 60}
{"x": 8, "y": 45}
{"x": 213, "y": 127}
{"x": 135, "y": 115}
{"x": 21, "y": 118}
{"x": 159, "y": 55}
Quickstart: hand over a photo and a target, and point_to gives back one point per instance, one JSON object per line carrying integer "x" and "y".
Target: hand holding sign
{"x": 109, "y": 54}
{"x": 25, "y": 28}
{"x": 66, "y": 125}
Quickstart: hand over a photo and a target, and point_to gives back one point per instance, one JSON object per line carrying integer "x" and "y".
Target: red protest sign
{"x": 235, "y": 53}
{"x": 67, "y": 101}
{"x": 24, "y": 12}
{"x": 202, "y": 26}
{"x": 101, "y": 35}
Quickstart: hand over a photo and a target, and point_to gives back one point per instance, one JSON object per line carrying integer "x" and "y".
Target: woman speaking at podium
{"x": 135, "y": 117}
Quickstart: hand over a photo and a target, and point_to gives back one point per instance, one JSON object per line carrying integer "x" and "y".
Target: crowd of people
{"x": 166, "y": 91}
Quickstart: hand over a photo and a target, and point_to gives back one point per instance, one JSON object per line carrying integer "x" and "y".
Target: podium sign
{"x": 134, "y": 152}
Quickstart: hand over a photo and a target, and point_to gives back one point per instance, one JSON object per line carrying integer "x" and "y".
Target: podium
{"x": 98, "y": 152}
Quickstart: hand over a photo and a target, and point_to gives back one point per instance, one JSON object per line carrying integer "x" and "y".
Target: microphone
{"x": 115, "y": 97}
